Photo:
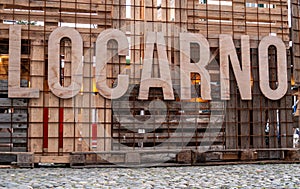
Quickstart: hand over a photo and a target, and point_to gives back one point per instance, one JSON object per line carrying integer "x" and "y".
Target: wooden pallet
{"x": 13, "y": 124}
{"x": 58, "y": 127}
{"x": 19, "y": 159}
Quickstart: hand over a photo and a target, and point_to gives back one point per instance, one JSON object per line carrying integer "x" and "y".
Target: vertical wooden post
{"x": 296, "y": 39}
{"x": 273, "y": 106}
{"x": 14, "y": 67}
{"x": 231, "y": 120}
{"x": 85, "y": 104}
{"x": 53, "y": 124}
{"x": 286, "y": 120}
{"x": 136, "y": 40}
{"x": 258, "y": 107}
{"x": 180, "y": 26}
{"x": 50, "y": 99}
{"x": 37, "y": 67}
{"x": 67, "y": 108}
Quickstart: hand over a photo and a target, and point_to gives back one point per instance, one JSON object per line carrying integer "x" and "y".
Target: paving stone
{"x": 232, "y": 176}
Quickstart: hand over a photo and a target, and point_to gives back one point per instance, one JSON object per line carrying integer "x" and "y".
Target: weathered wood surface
{"x": 231, "y": 119}
{"x": 4, "y": 86}
{"x": 5, "y": 102}
{"x": 242, "y": 74}
{"x": 237, "y": 19}
{"x": 281, "y": 68}
{"x": 15, "y": 118}
{"x": 70, "y": 90}
{"x": 164, "y": 79}
{"x": 14, "y": 125}
{"x": 296, "y": 40}
{"x": 258, "y": 116}
{"x": 199, "y": 67}
{"x": 14, "y": 67}
{"x": 102, "y": 59}
{"x": 245, "y": 121}
{"x": 286, "y": 122}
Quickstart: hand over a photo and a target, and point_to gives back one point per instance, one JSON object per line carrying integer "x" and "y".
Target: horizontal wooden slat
{"x": 6, "y": 102}
{"x": 4, "y": 83}
{"x": 13, "y": 138}
{"x": 5, "y": 135}
{"x": 19, "y": 135}
{"x": 6, "y": 158}
{"x": 278, "y": 3}
{"x": 5, "y": 125}
{"x": 19, "y": 118}
{"x": 19, "y": 140}
{"x": 5, "y": 118}
{"x": 252, "y": 14}
{"x": 4, "y": 149}
{"x": 5, "y": 140}
{"x": 19, "y": 149}
{"x": 83, "y": 6}
{"x": 54, "y": 17}
{"x": 36, "y": 32}
{"x": 16, "y": 118}
{"x": 20, "y": 126}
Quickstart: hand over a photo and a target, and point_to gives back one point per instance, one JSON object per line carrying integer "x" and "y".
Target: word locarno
{"x": 242, "y": 71}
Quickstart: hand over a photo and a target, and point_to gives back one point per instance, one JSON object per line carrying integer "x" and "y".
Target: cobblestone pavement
{"x": 232, "y": 176}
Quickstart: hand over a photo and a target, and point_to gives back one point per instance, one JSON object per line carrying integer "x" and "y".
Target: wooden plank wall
{"x": 246, "y": 120}
{"x": 13, "y": 121}
{"x": 56, "y": 126}
{"x": 295, "y": 57}
{"x": 235, "y": 18}
{"x": 13, "y": 125}
{"x": 84, "y": 123}
{"x": 296, "y": 40}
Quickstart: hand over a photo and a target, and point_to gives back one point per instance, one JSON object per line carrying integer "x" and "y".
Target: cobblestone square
{"x": 231, "y": 176}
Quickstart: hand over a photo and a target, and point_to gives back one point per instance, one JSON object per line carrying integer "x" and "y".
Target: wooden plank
{"x": 19, "y": 118}
{"x": 245, "y": 124}
{"x": 5, "y": 126}
{"x": 19, "y": 149}
{"x": 136, "y": 40}
{"x": 20, "y": 126}
{"x": 54, "y": 17}
{"x": 6, "y": 102}
{"x": 35, "y": 140}
{"x": 286, "y": 125}
{"x": 16, "y": 118}
{"x": 83, "y": 102}
{"x": 258, "y": 126}
{"x": 100, "y": 101}
{"x": 211, "y": 34}
{"x": 5, "y": 138}
{"x": 14, "y": 68}
{"x": 54, "y": 81}
{"x": 231, "y": 118}
{"x": 272, "y": 107}
{"x": 37, "y": 67}
{"x": 238, "y": 10}
{"x": 296, "y": 40}
{"x": 181, "y": 15}
{"x": 53, "y": 125}
{"x": 35, "y": 32}
{"x": 239, "y": 19}
{"x": 68, "y": 104}
{"x": 70, "y": 6}
{"x": 51, "y": 159}
{"x": 5, "y": 149}
{"x": 6, "y": 158}
{"x": 118, "y": 13}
